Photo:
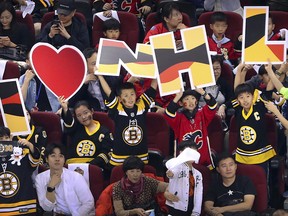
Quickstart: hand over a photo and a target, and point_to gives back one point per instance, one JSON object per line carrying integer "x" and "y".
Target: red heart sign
{"x": 62, "y": 71}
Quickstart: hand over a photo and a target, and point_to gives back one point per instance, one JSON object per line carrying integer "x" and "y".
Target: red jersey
{"x": 195, "y": 128}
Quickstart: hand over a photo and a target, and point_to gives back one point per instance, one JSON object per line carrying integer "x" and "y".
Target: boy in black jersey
{"x": 129, "y": 116}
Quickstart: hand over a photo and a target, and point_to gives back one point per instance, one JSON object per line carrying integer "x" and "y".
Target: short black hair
{"x": 124, "y": 86}
{"x": 218, "y": 16}
{"x": 82, "y": 103}
{"x": 190, "y": 92}
{"x": 223, "y": 156}
{"x": 263, "y": 71}
{"x": 50, "y": 149}
{"x": 4, "y": 131}
{"x": 217, "y": 58}
{"x": 167, "y": 9}
{"x": 88, "y": 52}
{"x": 187, "y": 144}
{"x": 242, "y": 88}
{"x": 133, "y": 162}
{"x": 111, "y": 24}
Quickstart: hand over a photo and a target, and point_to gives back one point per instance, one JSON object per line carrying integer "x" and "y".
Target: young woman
{"x": 12, "y": 33}
{"x": 90, "y": 142}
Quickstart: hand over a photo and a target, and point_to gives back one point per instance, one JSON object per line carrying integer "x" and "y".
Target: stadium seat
{"x": 11, "y": 70}
{"x": 258, "y": 177}
{"x": 51, "y": 123}
{"x": 28, "y": 21}
{"x": 235, "y": 23}
{"x": 216, "y": 135}
{"x": 104, "y": 120}
{"x": 227, "y": 74}
{"x": 129, "y": 29}
{"x": 152, "y": 20}
{"x": 49, "y": 16}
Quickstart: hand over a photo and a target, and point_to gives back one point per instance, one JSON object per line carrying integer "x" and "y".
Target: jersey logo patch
{"x": 248, "y": 135}
{"x": 85, "y": 148}
{"x": 133, "y": 134}
{"x": 9, "y": 184}
{"x": 195, "y": 136}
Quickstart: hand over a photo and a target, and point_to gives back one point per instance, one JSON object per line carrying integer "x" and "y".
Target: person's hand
{"x": 171, "y": 197}
{"x": 217, "y": 210}
{"x": 178, "y": 96}
{"x": 64, "y": 103}
{"x": 221, "y": 112}
{"x": 107, "y": 13}
{"x": 29, "y": 75}
{"x": 107, "y": 6}
{"x": 54, "y": 29}
{"x": 90, "y": 77}
{"x": 144, "y": 10}
{"x": 25, "y": 142}
{"x": 271, "y": 107}
{"x": 6, "y": 41}
{"x": 240, "y": 38}
{"x": 179, "y": 44}
{"x": 284, "y": 67}
{"x": 268, "y": 67}
{"x": 181, "y": 26}
{"x": 201, "y": 91}
{"x": 159, "y": 109}
{"x": 169, "y": 174}
{"x": 139, "y": 211}
{"x": 134, "y": 79}
{"x": 55, "y": 179}
{"x": 63, "y": 31}
{"x": 247, "y": 67}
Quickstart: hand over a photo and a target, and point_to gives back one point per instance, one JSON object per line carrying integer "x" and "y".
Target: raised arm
{"x": 104, "y": 85}
{"x": 240, "y": 74}
{"x": 276, "y": 82}
{"x": 272, "y": 108}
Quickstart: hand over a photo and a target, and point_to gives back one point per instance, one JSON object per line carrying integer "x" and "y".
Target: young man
{"x": 185, "y": 182}
{"x": 129, "y": 117}
{"x": 229, "y": 193}
{"x": 191, "y": 122}
{"x": 17, "y": 194}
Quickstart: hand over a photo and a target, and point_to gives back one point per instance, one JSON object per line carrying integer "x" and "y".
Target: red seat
{"x": 152, "y": 20}
{"x": 104, "y": 120}
{"x": 216, "y": 135}
{"x": 234, "y": 20}
{"x": 227, "y": 74}
{"x": 280, "y": 19}
{"x": 128, "y": 27}
{"x": 117, "y": 172}
{"x": 51, "y": 123}
{"x": 49, "y": 16}
{"x": 258, "y": 177}
{"x": 28, "y": 21}
{"x": 11, "y": 70}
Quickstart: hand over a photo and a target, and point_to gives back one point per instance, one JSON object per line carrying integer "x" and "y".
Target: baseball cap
{"x": 65, "y": 7}
{"x": 190, "y": 92}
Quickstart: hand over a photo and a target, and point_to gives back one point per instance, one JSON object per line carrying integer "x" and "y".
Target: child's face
{"x": 128, "y": 98}
{"x": 219, "y": 28}
{"x": 5, "y": 138}
{"x": 91, "y": 63}
{"x": 84, "y": 115}
{"x": 245, "y": 99}
{"x": 271, "y": 26}
{"x": 175, "y": 18}
{"x": 189, "y": 102}
{"x": 112, "y": 34}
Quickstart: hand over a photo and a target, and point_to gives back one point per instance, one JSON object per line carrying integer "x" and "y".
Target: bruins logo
{"x": 9, "y": 184}
{"x": 132, "y": 135}
{"x": 86, "y": 148}
{"x": 248, "y": 135}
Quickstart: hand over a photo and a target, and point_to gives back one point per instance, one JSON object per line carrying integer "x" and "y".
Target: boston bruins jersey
{"x": 87, "y": 147}
{"x": 38, "y": 137}
{"x": 17, "y": 194}
{"x": 253, "y": 147}
{"x": 130, "y": 127}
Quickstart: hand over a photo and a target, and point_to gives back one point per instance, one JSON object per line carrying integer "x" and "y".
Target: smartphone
{"x": 56, "y": 22}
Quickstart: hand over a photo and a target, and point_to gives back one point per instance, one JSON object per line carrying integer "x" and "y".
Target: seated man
{"x": 229, "y": 194}
{"x": 66, "y": 29}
